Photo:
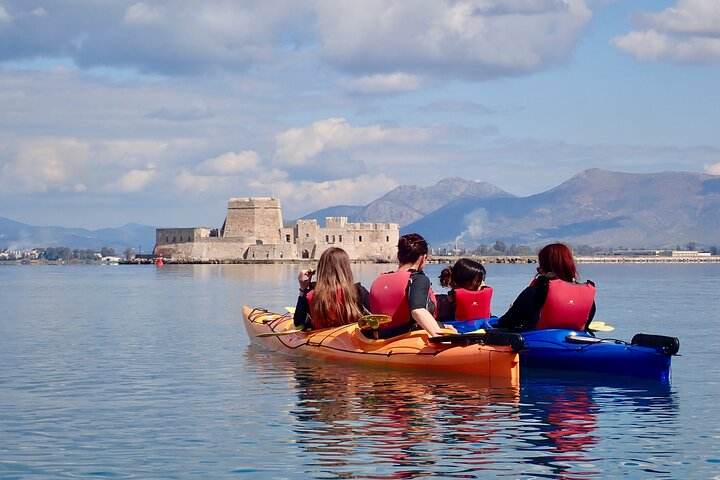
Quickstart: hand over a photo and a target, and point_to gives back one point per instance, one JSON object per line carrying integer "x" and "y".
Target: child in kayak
{"x": 469, "y": 298}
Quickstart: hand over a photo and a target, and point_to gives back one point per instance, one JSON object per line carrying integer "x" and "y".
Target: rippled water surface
{"x": 145, "y": 372}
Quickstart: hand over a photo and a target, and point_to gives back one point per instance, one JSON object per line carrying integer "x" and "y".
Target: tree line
{"x": 54, "y": 254}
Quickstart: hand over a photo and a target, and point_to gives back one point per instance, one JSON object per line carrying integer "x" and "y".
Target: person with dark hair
{"x": 555, "y": 298}
{"x": 469, "y": 298}
{"x": 405, "y": 295}
{"x": 334, "y": 300}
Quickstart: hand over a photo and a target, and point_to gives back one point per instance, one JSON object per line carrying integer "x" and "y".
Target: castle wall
{"x": 255, "y": 218}
{"x": 253, "y": 231}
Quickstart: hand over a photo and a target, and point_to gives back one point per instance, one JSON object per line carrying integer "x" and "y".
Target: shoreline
{"x": 431, "y": 260}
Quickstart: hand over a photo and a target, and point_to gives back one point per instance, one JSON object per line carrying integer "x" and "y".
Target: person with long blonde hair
{"x": 334, "y": 299}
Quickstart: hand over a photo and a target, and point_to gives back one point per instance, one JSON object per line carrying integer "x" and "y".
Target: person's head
{"x": 334, "y": 267}
{"x": 466, "y": 273}
{"x": 336, "y": 298}
{"x": 558, "y": 259}
{"x": 410, "y": 248}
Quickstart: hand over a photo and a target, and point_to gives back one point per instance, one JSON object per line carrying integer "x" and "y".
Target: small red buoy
{"x": 159, "y": 262}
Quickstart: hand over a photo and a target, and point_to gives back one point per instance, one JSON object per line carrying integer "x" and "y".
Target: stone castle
{"x": 253, "y": 231}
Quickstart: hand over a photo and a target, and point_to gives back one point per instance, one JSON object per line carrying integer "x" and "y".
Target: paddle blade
{"x": 281, "y": 333}
{"x": 600, "y": 327}
{"x": 373, "y": 321}
{"x": 290, "y": 310}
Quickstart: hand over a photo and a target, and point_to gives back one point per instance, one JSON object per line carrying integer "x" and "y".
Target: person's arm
{"x": 446, "y": 308}
{"x": 418, "y": 293}
{"x": 302, "y": 307}
{"x": 524, "y": 312}
{"x": 364, "y": 298}
{"x": 302, "y": 311}
{"x": 590, "y": 318}
{"x": 425, "y": 319}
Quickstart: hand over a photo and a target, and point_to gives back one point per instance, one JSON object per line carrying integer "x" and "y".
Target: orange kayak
{"x": 409, "y": 351}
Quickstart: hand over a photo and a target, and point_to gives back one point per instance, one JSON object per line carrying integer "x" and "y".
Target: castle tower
{"x": 254, "y": 219}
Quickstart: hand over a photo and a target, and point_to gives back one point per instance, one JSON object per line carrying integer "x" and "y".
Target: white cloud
{"x": 477, "y": 40}
{"x": 4, "y": 16}
{"x": 713, "y": 168}
{"x": 384, "y": 83}
{"x": 688, "y": 32}
{"x": 40, "y": 12}
{"x": 303, "y": 197}
{"x": 44, "y": 165}
{"x": 64, "y": 165}
{"x": 304, "y": 145}
{"x": 133, "y": 181}
{"x": 230, "y": 163}
{"x": 142, "y": 13}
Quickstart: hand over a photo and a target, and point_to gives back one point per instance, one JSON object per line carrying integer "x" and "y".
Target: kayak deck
{"x": 410, "y": 351}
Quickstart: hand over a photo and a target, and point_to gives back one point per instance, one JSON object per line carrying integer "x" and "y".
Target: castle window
{"x": 360, "y": 238}
{"x": 173, "y": 239}
{"x": 339, "y": 238}
{"x": 333, "y": 238}
{"x": 167, "y": 239}
{"x": 327, "y": 238}
{"x": 307, "y": 235}
{"x": 287, "y": 238}
{"x": 387, "y": 239}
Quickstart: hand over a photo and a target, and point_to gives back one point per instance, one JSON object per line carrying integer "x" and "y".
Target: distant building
{"x": 689, "y": 253}
{"x": 253, "y": 231}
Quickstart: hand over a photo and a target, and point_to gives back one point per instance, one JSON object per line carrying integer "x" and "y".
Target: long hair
{"x": 558, "y": 259}
{"x": 411, "y": 247}
{"x": 336, "y": 300}
{"x": 466, "y": 273}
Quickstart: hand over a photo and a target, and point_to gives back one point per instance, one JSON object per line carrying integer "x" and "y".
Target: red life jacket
{"x": 472, "y": 304}
{"x": 311, "y": 294}
{"x": 388, "y": 296}
{"x": 568, "y": 305}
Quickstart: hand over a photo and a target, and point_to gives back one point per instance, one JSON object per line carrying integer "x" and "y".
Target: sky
{"x": 159, "y": 112}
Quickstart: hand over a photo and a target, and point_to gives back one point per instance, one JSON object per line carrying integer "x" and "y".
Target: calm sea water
{"x": 145, "y": 372}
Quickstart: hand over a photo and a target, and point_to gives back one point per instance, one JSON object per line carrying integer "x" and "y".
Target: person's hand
{"x": 304, "y": 278}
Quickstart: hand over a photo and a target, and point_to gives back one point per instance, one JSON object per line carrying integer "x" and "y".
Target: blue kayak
{"x": 645, "y": 356}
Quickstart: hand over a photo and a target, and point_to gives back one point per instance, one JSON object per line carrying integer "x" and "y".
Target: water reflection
{"x": 371, "y": 423}
{"x": 564, "y": 415}
{"x": 394, "y": 424}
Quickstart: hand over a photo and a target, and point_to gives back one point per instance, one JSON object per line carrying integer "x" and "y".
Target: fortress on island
{"x": 253, "y": 231}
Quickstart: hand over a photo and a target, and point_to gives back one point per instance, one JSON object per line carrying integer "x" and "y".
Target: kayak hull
{"x": 410, "y": 351}
{"x": 572, "y": 351}
{"x": 567, "y": 350}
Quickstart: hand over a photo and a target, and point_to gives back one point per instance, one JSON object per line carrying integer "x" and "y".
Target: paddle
{"x": 598, "y": 326}
{"x": 283, "y": 332}
{"x": 493, "y": 337}
{"x": 373, "y": 321}
{"x": 290, "y": 310}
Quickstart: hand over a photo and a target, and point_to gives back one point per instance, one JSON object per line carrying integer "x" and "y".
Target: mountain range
{"x": 19, "y": 236}
{"x": 595, "y": 207}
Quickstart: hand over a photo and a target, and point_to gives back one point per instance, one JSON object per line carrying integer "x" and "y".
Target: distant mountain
{"x": 596, "y": 207}
{"x": 408, "y": 203}
{"x": 19, "y": 236}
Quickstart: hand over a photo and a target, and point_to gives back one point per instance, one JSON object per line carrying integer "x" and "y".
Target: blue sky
{"x": 158, "y": 112}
